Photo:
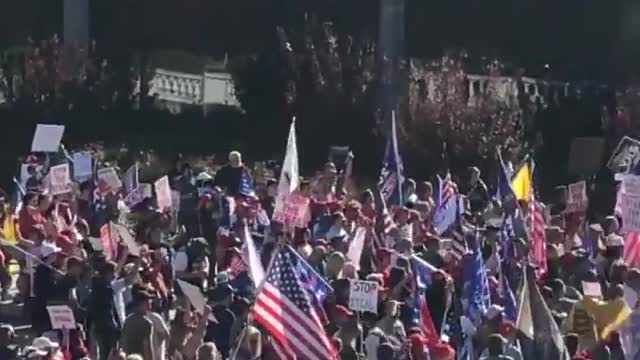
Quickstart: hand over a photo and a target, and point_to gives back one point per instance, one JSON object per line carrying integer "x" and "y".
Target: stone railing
{"x": 508, "y": 88}
{"x": 177, "y": 87}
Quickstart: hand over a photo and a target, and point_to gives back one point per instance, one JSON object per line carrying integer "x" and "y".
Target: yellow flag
{"x": 521, "y": 183}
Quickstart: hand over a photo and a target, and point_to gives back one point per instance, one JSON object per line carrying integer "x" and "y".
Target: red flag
{"x": 535, "y": 222}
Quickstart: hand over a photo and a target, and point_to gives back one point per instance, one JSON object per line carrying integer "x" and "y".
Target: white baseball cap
{"x": 44, "y": 343}
{"x": 47, "y": 249}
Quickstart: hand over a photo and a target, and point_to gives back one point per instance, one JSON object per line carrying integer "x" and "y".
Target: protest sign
{"x": 194, "y": 295}
{"x": 59, "y": 179}
{"x": 625, "y": 156}
{"x": 356, "y": 246}
{"x": 47, "y": 138}
{"x": 61, "y": 317}
{"x": 592, "y": 289}
{"x": 82, "y": 166}
{"x": 630, "y": 203}
{"x": 577, "y": 197}
{"x": 127, "y": 239}
{"x": 163, "y": 193}
{"x": 364, "y": 296}
{"x": 130, "y": 178}
{"x": 294, "y": 211}
{"x": 107, "y": 235}
{"x": 108, "y": 180}
{"x": 96, "y": 244}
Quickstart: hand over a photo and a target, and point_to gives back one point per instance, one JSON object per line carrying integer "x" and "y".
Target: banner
{"x": 630, "y": 203}
{"x": 47, "y": 138}
{"x": 294, "y": 211}
{"x": 363, "y": 296}
{"x": 163, "y": 193}
{"x": 61, "y": 317}
{"x": 60, "y": 180}
{"x": 108, "y": 180}
{"x": 577, "y": 200}
{"x": 82, "y": 166}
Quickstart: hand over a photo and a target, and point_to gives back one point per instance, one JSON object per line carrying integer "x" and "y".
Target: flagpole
{"x": 396, "y": 154}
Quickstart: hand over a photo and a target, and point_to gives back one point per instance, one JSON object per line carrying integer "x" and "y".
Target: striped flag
{"x": 632, "y": 248}
{"x": 392, "y": 169}
{"x": 422, "y": 272}
{"x": 237, "y": 266}
{"x": 537, "y": 237}
{"x": 283, "y": 308}
{"x": 446, "y": 210}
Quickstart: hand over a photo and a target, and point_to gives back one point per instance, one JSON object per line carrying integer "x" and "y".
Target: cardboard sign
{"x": 363, "y": 296}
{"x": 625, "y": 156}
{"x": 127, "y": 239}
{"x": 60, "y": 181}
{"x": 577, "y": 200}
{"x": 294, "y": 212}
{"x": 163, "y": 193}
{"x": 82, "y": 166}
{"x": 629, "y": 197}
{"x": 61, "y": 317}
{"x": 592, "y": 289}
{"x": 194, "y": 295}
{"x": 47, "y": 138}
{"x": 108, "y": 180}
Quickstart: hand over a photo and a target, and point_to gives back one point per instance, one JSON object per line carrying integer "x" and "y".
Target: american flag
{"x": 283, "y": 308}
{"x": 632, "y": 248}
{"x": 537, "y": 237}
{"x": 446, "y": 210}
{"x": 237, "y": 266}
{"x": 449, "y": 190}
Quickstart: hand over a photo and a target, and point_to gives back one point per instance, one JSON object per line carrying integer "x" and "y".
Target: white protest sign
{"x": 294, "y": 211}
{"x": 61, "y": 317}
{"x": 363, "y": 296}
{"x": 47, "y": 138}
{"x": 592, "y": 289}
{"x": 108, "y": 179}
{"x": 127, "y": 238}
{"x": 577, "y": 197}
{"x": 194, "y": 295}
{"x": 356, "y": 246}
{"x": 82, "y": 166}
{"x": 96, "y": 244}
{"x": 59, "y": 178}
{"x": 630, "y": 203}
{"x": 163, "y": 193}
{"x": 625, "y": 156}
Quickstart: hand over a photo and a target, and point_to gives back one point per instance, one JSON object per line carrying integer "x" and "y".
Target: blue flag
{"x": 246, "y": 185}
{"x": 446, "y": 211}
{"x": 506, "y": 237}
{"x": 476, "y": 297}
{"x": 315, "y": 284}
{"x": 392, "y": 169}
{"x": 508, "y": 299}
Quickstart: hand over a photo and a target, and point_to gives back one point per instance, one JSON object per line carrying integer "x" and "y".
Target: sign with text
{"x": 59, "y": 178}
{"x": 592, "y": 289}
{"x": 577, "y": 200}
{"x": 630, "y": 203}
{"x": 363, "y": 296}
{"x": 294, "y": 211}
{"x": 163, "y": 193}
{"x": 82, "y": 166}
{"x": 108, "y": 180}
{"x": 61, "y": 317}
{"x": 47, "y": 138}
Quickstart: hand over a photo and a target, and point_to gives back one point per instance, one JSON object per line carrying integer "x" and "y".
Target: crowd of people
{"x": 502, "y": 279}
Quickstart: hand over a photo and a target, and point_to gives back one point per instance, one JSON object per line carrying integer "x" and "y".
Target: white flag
{"x": 253, "y": 259}
{"x": 289, "y": 178}
{"x": 356, "y": 246}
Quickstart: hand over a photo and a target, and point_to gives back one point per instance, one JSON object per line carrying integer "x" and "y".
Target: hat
{"x": 493, "y": 311}
{"x": 203, "y": 176}
{"x": 614, "y": 240}
{"x": 47, "y": 249}
{"x": 31, "y": 352}
{"x": 44, "y": 343}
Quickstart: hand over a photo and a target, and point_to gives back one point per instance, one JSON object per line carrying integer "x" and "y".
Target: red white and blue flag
{"x": 446, "y": 211}
{"x": 284, "y": 309}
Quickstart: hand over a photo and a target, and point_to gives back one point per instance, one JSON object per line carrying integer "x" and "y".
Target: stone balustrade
{"x": 177, "y": 87}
